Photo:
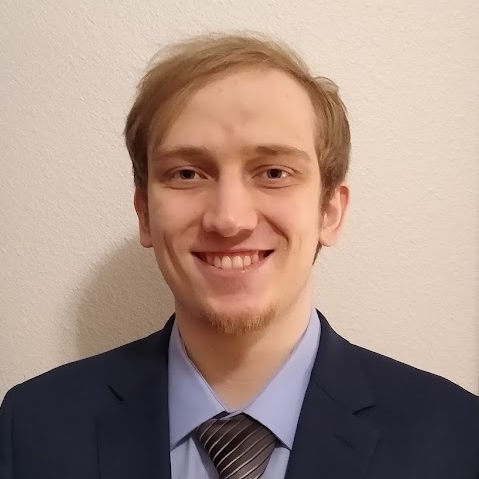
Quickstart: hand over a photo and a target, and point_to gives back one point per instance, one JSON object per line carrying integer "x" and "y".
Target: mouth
{"x": 237, "y": 260}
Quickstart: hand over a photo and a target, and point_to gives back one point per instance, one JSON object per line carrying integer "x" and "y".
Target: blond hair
{"x": 189, "y": 65}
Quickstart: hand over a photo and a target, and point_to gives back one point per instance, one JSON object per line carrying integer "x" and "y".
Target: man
{"x": 239, "y": 158}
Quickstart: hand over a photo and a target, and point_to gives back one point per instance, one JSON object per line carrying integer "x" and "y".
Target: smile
{"x": 239, "y": 260}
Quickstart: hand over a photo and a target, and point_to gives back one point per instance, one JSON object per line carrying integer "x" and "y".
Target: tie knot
{"x": 239, "y": 446}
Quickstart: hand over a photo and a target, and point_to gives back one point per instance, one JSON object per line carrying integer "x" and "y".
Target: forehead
{"x": 252, "y": 106}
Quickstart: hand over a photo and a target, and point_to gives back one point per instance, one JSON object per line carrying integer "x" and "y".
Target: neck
{"x": 237, "y": 368}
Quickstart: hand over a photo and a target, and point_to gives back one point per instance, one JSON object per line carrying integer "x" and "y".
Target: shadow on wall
{"x": 124, "y": 298}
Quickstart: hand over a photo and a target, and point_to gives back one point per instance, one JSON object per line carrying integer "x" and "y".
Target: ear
{"x": 141, "y": 208}
{"x": 333, "y": 215}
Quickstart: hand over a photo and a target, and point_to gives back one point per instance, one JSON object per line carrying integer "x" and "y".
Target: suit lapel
{"x": 133, "y": 433}
{"x": 332, "y": 441}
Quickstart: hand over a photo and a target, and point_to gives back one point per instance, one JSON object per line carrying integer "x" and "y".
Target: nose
{"x": 231, "y": 209}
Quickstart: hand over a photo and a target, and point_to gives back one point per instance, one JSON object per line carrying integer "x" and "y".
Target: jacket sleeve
{"x": 6, "y": 436}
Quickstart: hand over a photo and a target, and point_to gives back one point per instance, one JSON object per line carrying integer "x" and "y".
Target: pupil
{"x": 188, "y": 174}
{"x": 275, "y": 173}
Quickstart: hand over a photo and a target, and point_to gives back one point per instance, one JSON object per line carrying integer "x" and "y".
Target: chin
{"x": 239, "y": 320}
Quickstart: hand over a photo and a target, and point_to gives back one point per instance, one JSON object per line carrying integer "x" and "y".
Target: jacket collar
{"x": 133, "y": 431}
{"x": 338, "y": 373}
{"x": 331, "y": 438}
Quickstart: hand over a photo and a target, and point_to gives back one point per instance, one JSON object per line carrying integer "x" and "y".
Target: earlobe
{"x": 141, "y": 208}
{"x": 333, "y": 215}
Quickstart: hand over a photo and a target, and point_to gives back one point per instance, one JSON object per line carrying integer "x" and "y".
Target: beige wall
{"x": 403, "y": 282}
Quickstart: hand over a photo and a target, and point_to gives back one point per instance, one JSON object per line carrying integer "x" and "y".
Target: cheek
{"x": 299, "y": 216}
{"x": 170, "y": 218}
{"x": 162, "y": 218}
{"x": 297, "y": 220}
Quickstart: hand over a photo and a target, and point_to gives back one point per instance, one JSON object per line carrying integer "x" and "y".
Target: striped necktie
{"x": 239, "y": 446}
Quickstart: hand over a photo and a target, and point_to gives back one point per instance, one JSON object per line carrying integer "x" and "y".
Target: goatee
{"x": 241, "y": 323}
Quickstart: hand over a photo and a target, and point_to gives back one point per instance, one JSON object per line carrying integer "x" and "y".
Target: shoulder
{"x": 393, "y": 375}
{"x": 426, "y": 399}
{"x": 391, "y": 382}
{"x": 85, "y": 380}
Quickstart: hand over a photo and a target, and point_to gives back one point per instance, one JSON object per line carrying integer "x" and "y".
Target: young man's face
{"x": 233, "y": 205}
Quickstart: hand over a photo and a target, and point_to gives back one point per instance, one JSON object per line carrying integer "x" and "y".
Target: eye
{"x": 185, "y": 174}
{"x": 275, "y": 173}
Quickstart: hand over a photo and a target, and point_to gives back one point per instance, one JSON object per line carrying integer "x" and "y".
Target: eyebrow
{"x": 279, "y": 150}
{"x": 200, "y": 152}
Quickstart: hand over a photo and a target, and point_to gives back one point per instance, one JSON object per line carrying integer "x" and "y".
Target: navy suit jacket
{"x": 364, "y": 416}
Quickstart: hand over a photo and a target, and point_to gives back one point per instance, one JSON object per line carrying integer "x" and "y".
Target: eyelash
{"x": 177, "y": 172}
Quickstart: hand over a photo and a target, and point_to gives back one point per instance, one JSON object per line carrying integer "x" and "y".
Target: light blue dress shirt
{"x": 192, "y": 401}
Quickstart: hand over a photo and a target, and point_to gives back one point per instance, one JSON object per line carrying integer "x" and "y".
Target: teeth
{"x": 234, "y": 262}
{"x": 237, "y": 262}
{"x": 226, "y": 262}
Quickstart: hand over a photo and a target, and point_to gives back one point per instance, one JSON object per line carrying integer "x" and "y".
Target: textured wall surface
{"x": 405, "y": 279}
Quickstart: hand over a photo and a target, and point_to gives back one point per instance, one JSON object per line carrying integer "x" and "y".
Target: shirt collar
{"x": 279, "y": 404}
{"x": 192, "y": 401}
